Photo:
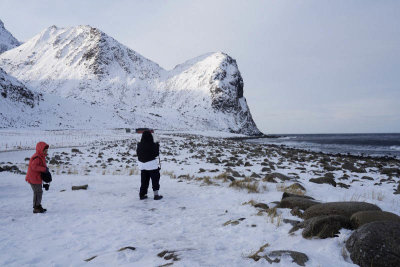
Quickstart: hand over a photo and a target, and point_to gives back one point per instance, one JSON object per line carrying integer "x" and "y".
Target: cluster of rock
{"x": 375, "y": 241}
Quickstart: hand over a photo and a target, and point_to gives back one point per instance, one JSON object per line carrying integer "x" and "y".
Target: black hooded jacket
{"x": 147, "y": 150}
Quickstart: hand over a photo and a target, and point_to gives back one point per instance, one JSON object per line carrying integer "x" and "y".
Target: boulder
{"x": 300, "y": 202}
{"x": 350, "y": 166}
{"x": 286, "y": 194}
{"x": 324, "y": 180}
{"x": 297, "y": 257}
{"x": 342, "y": 185}
{"x": 277, "y": 175}
{"x": 363, "y": 217}
{"x": 261, "y": 206}
{"x": 338, "y": 208}
{"x": 367, "y": 178}
{"x": 390, "y": 171}
{"x": 325, "y": 226}
{"x": 375, "y": 244}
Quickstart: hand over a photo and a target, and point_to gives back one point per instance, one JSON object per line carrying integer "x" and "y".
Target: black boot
{"x": 37, "y": 209}
{"x": 158, "y": 197}
{"x": 143, "y": 197}
{"x": 40, "y": 207}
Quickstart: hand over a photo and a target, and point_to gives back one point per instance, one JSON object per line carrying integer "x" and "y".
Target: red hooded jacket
{"x": 37, "y": 164}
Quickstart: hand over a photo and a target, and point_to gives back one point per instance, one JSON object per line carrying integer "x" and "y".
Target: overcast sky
{"x": 308, "y": 66}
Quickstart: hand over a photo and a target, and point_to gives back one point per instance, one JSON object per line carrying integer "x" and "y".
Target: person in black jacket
{"x": 147, "y": 152}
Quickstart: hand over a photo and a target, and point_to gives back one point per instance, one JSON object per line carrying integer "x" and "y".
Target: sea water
{"x": 356, "y": 144}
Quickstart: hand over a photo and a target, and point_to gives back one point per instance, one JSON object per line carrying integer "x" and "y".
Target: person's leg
{"x": 145, "y": 179}
{"x": 37, "y": 194}
{"x": 155, "y": 180}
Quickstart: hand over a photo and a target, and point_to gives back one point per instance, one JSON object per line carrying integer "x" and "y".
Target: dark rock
{"x": 297, "y": 257}
{"x": 286, "y": 194}
{"x": 363, "y": 217}
{"x": 279, "y": 176}
{"x": 338, "y": 208}
{"x": 292, "y": 222}
{"x": 367, "y": 178}
{"x": 342, "y": 185}
{"x": 296, "y": 212}
{"x": 329, "y": 175}
{"x": 214, "y": 160}
{"x": 300, "y": 202}
{"x": 325, "y": 226}
{"x": 261, "y": 206}
{"x": 265, "y": 169}
{"x": 329, "y": 168}
{"x": 80, "y": 187}
{"x": 375, "y": 244}
{"x": 324, "y": 180}
{"x": 350, "y": 166}
{"x": 235, "y": 174}
{"x": 75, "y": 150}
{"x": 230, "y": 178}
{"x": 390, "y": 171}
{"x": 255, "y": 175}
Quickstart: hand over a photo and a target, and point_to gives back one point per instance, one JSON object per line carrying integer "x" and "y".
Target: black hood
{"x": 147, "y": 137}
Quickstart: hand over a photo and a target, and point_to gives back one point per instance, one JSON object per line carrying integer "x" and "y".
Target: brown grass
{"x": 255, "y": 256}
{"x": 282, "y": 187}
{"x": 251, "y": 187}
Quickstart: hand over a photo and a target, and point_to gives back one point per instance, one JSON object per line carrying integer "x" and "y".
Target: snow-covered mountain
{"x": 86, "y": 64}
{"x": 7, "y": 40}
{"x": 16, "y": 100}
{"x": 21, "y": 106}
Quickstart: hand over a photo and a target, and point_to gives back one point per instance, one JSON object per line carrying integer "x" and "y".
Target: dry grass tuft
{"x": 255, "y": 256}
{"x": 250, "y": 202}
{"x": 171, "y": 174}
{"x": 251, "y": 187}
{"x": 289, "y": 189}
{"x": 368, "y": 195}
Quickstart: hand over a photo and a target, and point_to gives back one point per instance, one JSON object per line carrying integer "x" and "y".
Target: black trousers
{"x": 145, "y": 179}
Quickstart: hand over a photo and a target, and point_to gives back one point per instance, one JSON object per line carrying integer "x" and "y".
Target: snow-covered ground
{"x": 203, "y": 219}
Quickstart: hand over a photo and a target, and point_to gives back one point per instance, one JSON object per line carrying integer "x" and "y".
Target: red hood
{"x": 40, "y": 147}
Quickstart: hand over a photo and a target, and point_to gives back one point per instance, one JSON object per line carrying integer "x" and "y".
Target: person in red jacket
{"x": 37, "y": 165}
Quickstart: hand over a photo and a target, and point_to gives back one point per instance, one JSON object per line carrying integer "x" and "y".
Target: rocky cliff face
{"x": 86, "y": 64}
{"x": 7, "y": 40}
{"x": 14, "y": 91}
{"x": 16, "y": 102}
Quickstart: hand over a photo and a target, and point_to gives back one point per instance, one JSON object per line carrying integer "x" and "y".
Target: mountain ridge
{"x": 86, "y": 64}
{"x": 7, "y": 40}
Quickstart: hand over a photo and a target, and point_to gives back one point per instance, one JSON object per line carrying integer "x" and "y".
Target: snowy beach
{"x": 212, "y": 213}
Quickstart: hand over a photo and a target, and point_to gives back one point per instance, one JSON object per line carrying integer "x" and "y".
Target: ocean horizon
{"x": 367, "y": 144}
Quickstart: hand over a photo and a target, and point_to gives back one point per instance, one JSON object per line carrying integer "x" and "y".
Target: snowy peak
{"x": 214, "y": 83}
{"x": 7, "y": 40}
{"x": 87, "y": 50}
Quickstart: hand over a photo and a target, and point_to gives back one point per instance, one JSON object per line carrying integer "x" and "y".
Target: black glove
{"x": 46, "y": 186}
{"x": 46, "y": 176}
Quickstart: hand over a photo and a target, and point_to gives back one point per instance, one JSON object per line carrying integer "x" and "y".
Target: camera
{"x": 46, "y": 186}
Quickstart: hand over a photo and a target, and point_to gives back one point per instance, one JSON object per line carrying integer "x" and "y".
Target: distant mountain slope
{"x": 84, "y": 63}
{"x": 22, "y": 107}
{"x": 7, "y": 40}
